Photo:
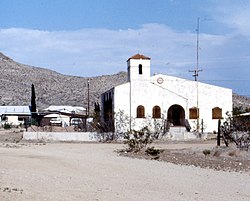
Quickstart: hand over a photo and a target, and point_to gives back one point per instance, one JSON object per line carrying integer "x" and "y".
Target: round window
{"x": 160, "y": 80}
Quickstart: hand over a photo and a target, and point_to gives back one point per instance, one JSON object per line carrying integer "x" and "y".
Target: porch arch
{"x": 176, "y": 115}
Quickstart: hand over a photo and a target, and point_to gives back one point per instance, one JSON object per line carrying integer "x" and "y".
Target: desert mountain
{"x": 53, "y": 88}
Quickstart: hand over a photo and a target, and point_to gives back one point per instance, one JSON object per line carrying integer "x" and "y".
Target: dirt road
{"x": 94, "y": 172}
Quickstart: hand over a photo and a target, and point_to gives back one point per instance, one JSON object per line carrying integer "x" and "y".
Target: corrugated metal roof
{"x": 66, "y": 109}
{"x": 22, "y": 110}
{"x": 55, "y": 116}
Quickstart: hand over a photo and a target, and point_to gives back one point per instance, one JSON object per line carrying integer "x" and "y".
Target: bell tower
{"x": 138, "y": 68}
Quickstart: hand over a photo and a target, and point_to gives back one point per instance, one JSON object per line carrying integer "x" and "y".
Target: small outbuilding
{"x": 63, "y": 116}
{"x": 14, "y": 115}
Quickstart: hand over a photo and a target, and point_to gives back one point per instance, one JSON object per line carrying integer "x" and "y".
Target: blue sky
{"x": 91, "y": 38}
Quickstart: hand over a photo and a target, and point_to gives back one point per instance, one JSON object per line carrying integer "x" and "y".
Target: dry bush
{"x": 232, "y": 153}
{"x": 217, "y": 153}
{"x": 206, "y": 152}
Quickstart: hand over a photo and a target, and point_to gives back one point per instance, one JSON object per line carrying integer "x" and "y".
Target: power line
{"x": 228, "y": 80}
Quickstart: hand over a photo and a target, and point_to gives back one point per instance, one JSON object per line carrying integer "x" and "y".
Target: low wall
{"x": 62, "y": 136}
{"x": 95, "y": 137}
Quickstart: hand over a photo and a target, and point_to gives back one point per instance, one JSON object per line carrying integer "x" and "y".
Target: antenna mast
{"x": 197, "y": 70}
{"x": 196, "y": 73}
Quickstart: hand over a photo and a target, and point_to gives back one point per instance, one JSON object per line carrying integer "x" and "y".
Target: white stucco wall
{"x": 133, "y": 69}
{"x": 147, "y": 94}
{"x": 61, "y": 136}
{"x": 142, "y": 89}
{"x": 150, "y": 93}
{"x": 209, "y": 96}
{"x": 65, "y": 120}
{"x": 13, "y": 120}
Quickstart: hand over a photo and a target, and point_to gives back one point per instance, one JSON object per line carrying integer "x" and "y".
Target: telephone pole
{"x": 88, "y": 97}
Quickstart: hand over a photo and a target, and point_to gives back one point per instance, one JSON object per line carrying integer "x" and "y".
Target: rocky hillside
{"x": 241, "y": 101}
{"x": 53, "y": 88}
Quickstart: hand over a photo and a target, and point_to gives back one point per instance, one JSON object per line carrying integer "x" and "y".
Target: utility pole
{"x": 88, "y": 97}
{"x": 196, "y": 71}
{"x": 87, "y": 110}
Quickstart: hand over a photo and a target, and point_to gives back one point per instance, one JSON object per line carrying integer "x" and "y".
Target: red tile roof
{"x": 138, "y": 56}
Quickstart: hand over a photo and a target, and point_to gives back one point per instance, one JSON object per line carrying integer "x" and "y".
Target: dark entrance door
{"x": 176, "y": 115}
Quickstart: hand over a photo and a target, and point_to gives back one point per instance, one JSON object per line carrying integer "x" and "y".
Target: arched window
{"x": 140, "y": 69}
{"x": 140, "y": 112}
{"x": 193, "y": 113}
{"x": 216, "y": 113}
{"x": 156, "y": 112}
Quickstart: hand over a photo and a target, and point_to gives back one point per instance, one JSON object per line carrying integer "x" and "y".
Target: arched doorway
{"x": 176, "y": 115}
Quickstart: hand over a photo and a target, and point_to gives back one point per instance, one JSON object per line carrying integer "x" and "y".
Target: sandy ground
{"x": 191, "y": 153}
{"x": 94, "y": 172}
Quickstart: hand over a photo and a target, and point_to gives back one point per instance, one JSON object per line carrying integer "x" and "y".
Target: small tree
{"x": 121, "y": 126}
{"x": 160, "y": 127}
{"x": 236, "y": 130}
{"x": 238, "y": 110}
{"x": 156, "y": 126}
{"x": 122, "y": 123}
{"x": 33, "y": 105}
{"x": 96, "y": 118}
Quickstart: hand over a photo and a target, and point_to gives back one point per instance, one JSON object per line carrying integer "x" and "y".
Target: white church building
{"x": 175, "y": 105}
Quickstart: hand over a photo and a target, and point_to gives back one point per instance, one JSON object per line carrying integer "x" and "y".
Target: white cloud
{"x": 91, "y": 52}
{"x": 234, "y": 14}
{"x": 98, "y": 49}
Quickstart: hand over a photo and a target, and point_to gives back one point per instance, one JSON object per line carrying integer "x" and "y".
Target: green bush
{"x": 7, "y": 126}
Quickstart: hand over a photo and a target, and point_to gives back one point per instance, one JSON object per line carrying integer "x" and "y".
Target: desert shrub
{"x": 7, "y": 126}
{"x": 206, "y": 152}
{"x": 217, "y": 153}
{"x": 152, "y": 151}
{"x": 137, "y": 140}
{"x": 232, "y": 153}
